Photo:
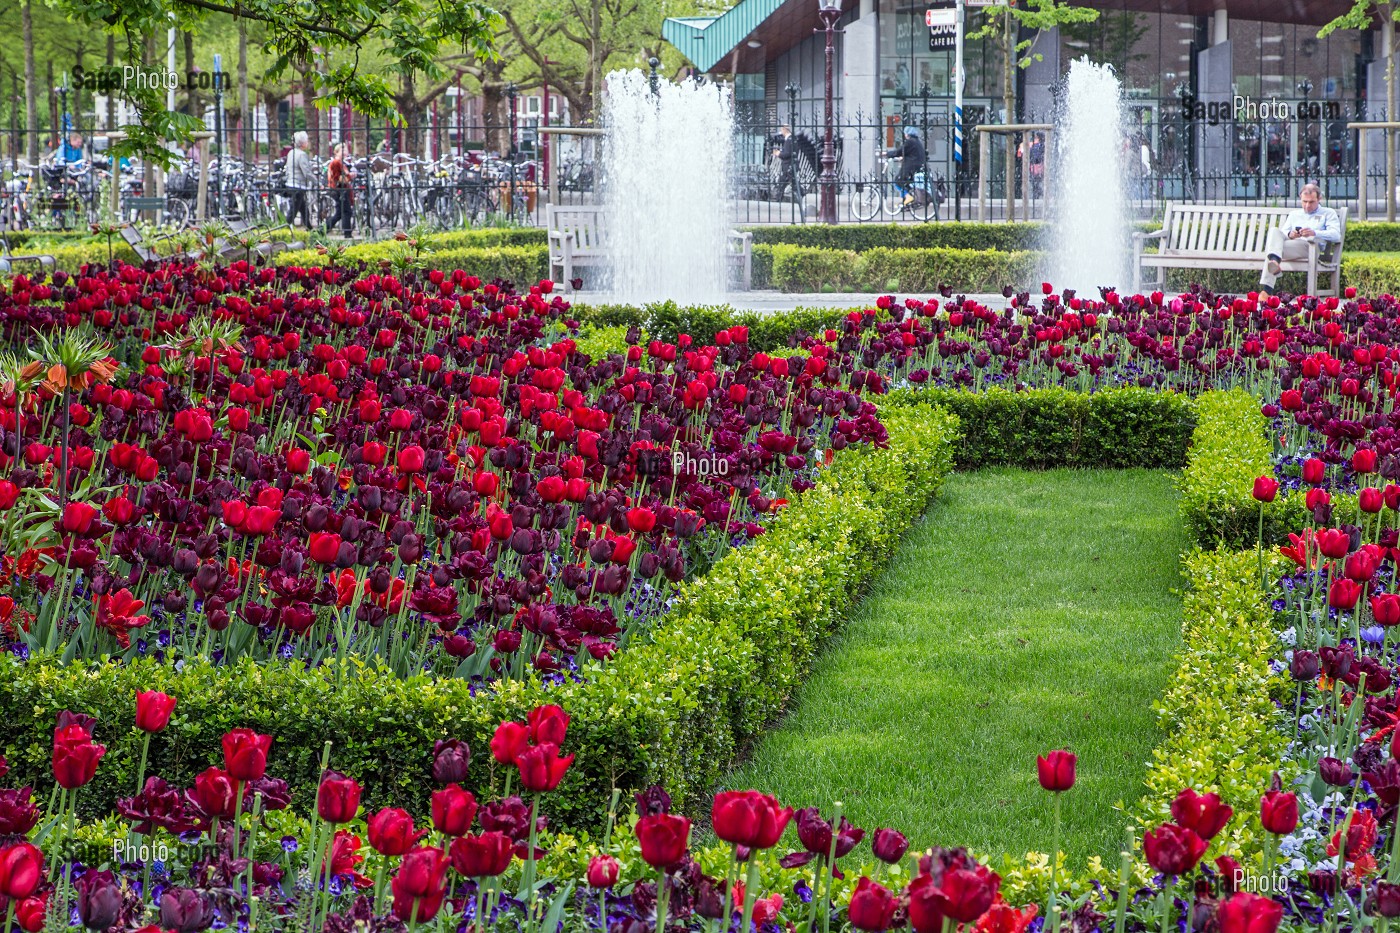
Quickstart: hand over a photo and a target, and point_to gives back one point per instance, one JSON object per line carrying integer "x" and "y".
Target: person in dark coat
{"x": 912, "y": 156}
{"x": 787, "y": 162}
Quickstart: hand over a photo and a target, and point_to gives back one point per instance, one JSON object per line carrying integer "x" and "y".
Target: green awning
{"x": 706, "y": 41}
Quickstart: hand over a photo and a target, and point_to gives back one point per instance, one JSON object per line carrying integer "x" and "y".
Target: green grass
{"x": 1025, "y": 612}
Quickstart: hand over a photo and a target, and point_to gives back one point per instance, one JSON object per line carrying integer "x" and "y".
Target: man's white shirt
{"x": 1323, "y": 222}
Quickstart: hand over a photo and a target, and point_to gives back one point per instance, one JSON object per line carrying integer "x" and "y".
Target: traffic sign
{"x": 941, "y": 18}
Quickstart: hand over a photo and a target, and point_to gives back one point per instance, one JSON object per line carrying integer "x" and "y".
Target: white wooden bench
{"x": 577, "y": 238}
{"x": 1200, "y": 236}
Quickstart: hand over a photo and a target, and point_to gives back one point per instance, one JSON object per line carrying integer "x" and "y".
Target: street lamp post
{"x": 829, "y": 11}
{"x": 1305, "y": 88}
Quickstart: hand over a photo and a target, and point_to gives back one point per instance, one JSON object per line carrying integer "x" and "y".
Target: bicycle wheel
{"x": 448, "y": 211}
{"x": 866, "y": 201}
{"x": 177, "y": 213}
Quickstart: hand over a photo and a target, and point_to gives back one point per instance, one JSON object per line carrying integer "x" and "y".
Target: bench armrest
{"x": 1154, "y": 235}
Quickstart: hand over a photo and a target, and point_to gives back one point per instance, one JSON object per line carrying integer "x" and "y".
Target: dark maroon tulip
{"x": 185, "y": 910}
{"x": 99, "y": 899}
{"x": 1305, "y": 666}
{"x": 1203, "y": 814}
{"x": 1172, "y": 849}
{"x": 338, "y": 797}
{"x": 1279, "y": 812}
{"x": 889, "y": 845}
{"x": 664, "y": 838}
{"x": 1335, "y": 772}
{"x": 450, "y": 760}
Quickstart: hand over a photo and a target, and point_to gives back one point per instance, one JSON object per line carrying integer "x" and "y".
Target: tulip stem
{"x": 529, "y": 884}
{"x": 1124, "y": 879}
{"x": 1393, "y": 869}
{"x": 141, "y": 771}
{"x": 751, "y": 894}
{"x": 1052, "y": 909}
{"x": 663, "y": 901}
{"x": 237, "y": 813}
{"x": 1168, "y": 902}
{"x": 1261, "y": 557}
{"x": 9, "y": 915}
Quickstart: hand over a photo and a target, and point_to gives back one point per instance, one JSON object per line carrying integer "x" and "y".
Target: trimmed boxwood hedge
{"x": 675, "y": 707}
{"x": 1229, "y": 449}
{"x": 1046, "y": 428}
{"x": 1218, "y": 714}
{"x": 665, "y": 320}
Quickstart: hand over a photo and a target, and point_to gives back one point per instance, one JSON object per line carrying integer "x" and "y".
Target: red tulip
{"x": 1333, "y": 542}
{"x": 510, "y": 740}
{"x": 75, "y": 756}
{"x": 889, "y": 845}
{"x": 215, "y": 793}
{"x": 547, "y": 724}
{"x": 1313, "y": 471}
{"x": 970, "y": 892}
{"x": 749, "y": 818}
{"x": 928, "y": 906}
{"x": 541, "y": 768}
{"x": 9, "y": 495}
{"x": 1363, "y": 461}
{"x": 411, "y": 459}
{"x": 1385, "y": 607}
{"x": 1279, "y": 812}
{"x": 1056, "y": 770}
{"x": 1370, "y": 500}
{"x": 641, "y": 520}
{"x": 324, "y": 547}
{"x": 391, "y": 832}
{"x": 454, "y": 810}
{"x": 420, "y": 880}
{"x": 21, "y": 870}
{"x": 482, "y": 856}
{"x": 298, "y": 461}
{"x": 1172, "y": 849}
{"x": 1203, "y": 814}
{"x": 338, "y": 797}
{"x": 1249, "y": 913}
{"x": 1343, "y": 594}
{"x": 78, "y": 518}
{"x": 153, "y": 710}
{"x": 664, "y": 838}
{"x": 872, "y": 906}
{"x": 31, "y": 914}
{"x": 245, "y": 754}
{"x": 1265, "y": 488}
{"x": 603, "y": 871}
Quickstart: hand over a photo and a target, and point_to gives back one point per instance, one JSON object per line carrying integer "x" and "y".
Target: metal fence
{"x": 448, "y": 173}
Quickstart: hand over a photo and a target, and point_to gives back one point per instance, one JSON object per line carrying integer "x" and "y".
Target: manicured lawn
{"x": 1026, "y": 612}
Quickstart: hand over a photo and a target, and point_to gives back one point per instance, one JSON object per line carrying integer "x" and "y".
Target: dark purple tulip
{"x": 889, "y": 845}
{"x": 1335, "y": 772}
{"x": 185, "y": 910}
{"x": 1305, "y": 666}
{"x": 450, "y": 760}
{"x": 99, "y": 899}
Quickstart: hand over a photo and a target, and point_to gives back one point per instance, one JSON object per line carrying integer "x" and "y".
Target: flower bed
{"x": 674, "y": 707}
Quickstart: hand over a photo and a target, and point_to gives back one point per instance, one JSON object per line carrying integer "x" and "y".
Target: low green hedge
{"x": 1002, "y": 237}
{"x": 522, "y": 265}
{"x": 1046, "y": 428}
{"x": 812, "y": 269}
{"x": 1218, "y": 713}
{"x": 665, "y": 320}
{"x": 675, "y": 707}
{"x": 1230, "y": 448}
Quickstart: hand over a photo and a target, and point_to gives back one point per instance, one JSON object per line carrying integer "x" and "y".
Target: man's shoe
{"x": 1274, "y": 267}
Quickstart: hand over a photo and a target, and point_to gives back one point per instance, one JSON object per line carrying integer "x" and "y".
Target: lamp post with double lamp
{"x": 1305, "y": 88}
{"x": 829, "y": 11}
{"x": 512, "y": 92}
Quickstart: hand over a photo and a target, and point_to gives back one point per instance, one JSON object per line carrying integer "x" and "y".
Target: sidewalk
{"x": 772, "y": 302}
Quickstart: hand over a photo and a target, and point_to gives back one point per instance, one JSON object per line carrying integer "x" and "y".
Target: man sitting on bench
{"x": 1290, "y": 241}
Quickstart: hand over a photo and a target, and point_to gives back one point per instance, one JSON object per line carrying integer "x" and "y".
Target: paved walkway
{"x": 770, "y": 302}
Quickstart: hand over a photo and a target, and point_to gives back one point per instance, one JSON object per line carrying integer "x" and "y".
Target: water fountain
{"x": 1090, "y": 245}
{"x": 666, "y": 187}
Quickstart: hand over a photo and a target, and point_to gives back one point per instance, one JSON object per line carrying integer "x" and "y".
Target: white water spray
{"x": 666, "y": 186}
{"x": 1090, "y": 233}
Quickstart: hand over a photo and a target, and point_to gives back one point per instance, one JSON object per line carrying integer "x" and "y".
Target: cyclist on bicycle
{"x": 912, "y": 156}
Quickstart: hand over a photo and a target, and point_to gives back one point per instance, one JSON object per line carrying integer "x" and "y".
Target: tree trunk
{"x": 31, "y": 98}
{"x": 274, "y": 126}
{"x": 111, "y": 98}
{"x": 247, "y": 120}
{"x": 55, "y": 129}
{"x": 494, "y": 115}
{"x": 1388, "y": 45}
{"x": 1008, "y": 98}
{"x": 192, "y": 92}
{"x": 313, "y": 115}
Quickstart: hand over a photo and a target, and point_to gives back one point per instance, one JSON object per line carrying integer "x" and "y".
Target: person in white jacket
{"x": 1308, "y": 223}
{"x": 299, "y": 178}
